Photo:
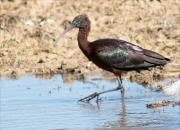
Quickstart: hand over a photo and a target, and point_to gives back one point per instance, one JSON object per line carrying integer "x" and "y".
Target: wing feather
{"x": 125, "y": 56}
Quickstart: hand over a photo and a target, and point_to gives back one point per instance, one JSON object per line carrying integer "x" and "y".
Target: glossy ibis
{"x": 113, "y": 55}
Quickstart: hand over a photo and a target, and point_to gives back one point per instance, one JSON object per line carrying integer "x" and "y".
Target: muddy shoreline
{"x": 27, "y": 34}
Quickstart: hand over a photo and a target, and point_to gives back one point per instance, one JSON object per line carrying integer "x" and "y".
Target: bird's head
{"x": 80, "y": 21}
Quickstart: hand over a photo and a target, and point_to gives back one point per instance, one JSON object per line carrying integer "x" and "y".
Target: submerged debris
{"x": 162, "y": 104}
{"x": 158, "y": 104}
{"x": 176, "y": 103}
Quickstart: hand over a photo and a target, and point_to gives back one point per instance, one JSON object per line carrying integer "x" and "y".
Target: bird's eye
{"x": 69, "y": 22}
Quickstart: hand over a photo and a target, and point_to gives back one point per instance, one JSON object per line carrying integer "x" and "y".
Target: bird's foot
{"x": 90, "y": 97}
{"x": 96, "y": 94}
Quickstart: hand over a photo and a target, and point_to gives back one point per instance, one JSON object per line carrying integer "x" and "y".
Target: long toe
{"x": 90, "y": 97}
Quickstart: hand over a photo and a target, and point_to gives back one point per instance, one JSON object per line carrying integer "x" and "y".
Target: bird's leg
{"x": 120, "y": 86}
{"x": 96, "y": 94}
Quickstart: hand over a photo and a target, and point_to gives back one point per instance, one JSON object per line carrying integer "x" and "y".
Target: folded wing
{"x": 126, "y": 56}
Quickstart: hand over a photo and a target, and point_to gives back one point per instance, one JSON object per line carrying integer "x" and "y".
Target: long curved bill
{"x": 70, "y": 27}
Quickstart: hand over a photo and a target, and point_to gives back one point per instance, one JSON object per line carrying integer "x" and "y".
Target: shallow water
{"x": 31, "y": 103}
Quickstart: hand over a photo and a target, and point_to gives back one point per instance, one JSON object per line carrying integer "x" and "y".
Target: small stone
{"x": 41, "y": 61}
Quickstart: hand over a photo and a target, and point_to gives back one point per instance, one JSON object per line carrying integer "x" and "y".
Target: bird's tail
{"x": 155, "y": 58}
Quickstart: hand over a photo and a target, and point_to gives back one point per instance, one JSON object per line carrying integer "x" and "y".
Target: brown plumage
{"x": 116, "y": 56}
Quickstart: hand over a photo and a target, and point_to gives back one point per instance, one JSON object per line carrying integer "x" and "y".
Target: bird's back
{"x": 122, "y": 55}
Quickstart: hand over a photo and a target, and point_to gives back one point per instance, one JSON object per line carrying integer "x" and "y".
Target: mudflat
{"x": 27, "y": 30}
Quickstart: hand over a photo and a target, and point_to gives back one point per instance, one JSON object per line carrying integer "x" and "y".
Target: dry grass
{"x": 27, "y": 29}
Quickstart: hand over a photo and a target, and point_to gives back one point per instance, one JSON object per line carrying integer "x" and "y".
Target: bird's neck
{"x": 83, "y": 43}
